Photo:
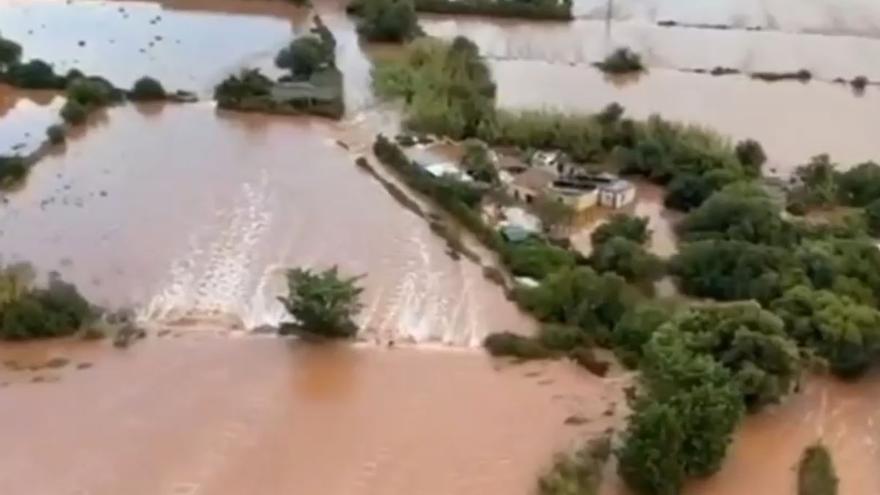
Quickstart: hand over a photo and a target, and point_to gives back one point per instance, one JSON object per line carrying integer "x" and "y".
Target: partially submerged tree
{"x": 621, "y": 61}
{"x": 147, "y": 89}
{"x": 323, "y": 303}
{"x": 816, "y": 474}
{"x": 622, "y": 225}
{"x": 388, "y": 20}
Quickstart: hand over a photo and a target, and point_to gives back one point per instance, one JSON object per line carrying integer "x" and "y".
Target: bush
{"x": 578, "y": 473}
{"x": 622, "y": 225}
{"x": 513, "y": 345}
{"x": 34, "y": 74}
{"x": 738, "y": 214}
{"x": 237, "y": 88}
{"x": 388, "y": 20}
{"x": 147, "y": 89}
{"x": 650, "y": 457}
{"x": 621, "y": 61}
{"x": 91, "y": 92}
{"x": 635, "y": 329}
{"x": 73, "y": 113}
{"x": 872, "y": 216}
{"x": 751, "y": 155}
{"x": 30, "y": 313}
{"x": 562, "y": 338}
{"x": 859, "y": 185}
{"x": 56, "y": 134}
{"x": 586, "y": 358}
{"x": 816, "y": 475}
{"x": 13, "y": 169}
{"x": 304, "y": 56}
{"x": 322, "y": 303}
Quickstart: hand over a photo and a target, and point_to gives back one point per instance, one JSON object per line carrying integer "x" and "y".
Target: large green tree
{"x": 323, "y": 303}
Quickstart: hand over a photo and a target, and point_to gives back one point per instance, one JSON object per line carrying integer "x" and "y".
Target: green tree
{"x": 748, "y": 341}
{"x": 650, "y": 459}
{"x": 579, "y": 297}
{"x": 628, "y": 259}
{"x": 837, "y": 328}
{"x": 621, "y": 61}
{"x": 147, "y": 89}
{"x": 816, "y": 474}
{"x": 10, "y": 52}
{"x": 579, "y": 473}
{"x": 323, "y": 303}
{"x": 91, "y": 92}
{"x": 477, "y": 163}
{"x": 536, "y": 259}
{"x": 74, "y": 113}
{"x": 34, "y": 74}
{"x": 32, "y": 312}
{"x": 635, "y": 329}
{"x": 388, "y": 20}
{"x": 860, "y": 185}
{"x": 739, "y": 214}
{"x": 622, "y": 225}
{"x": 305, "y": 55}
{"x": 817, "y": 181}
{"x": 751, "y": 155}
{"x": 734, "y": 270}
{"x": 56, "y": 133}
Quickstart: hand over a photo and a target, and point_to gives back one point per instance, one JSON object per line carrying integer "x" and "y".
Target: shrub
{"x": 562, "y": 338}
{"x": 91, "y": 92}
{"x": 304, "y": 56}
{"x": 872, "y": 216}
{"x": 739, "y": 214}
{"x": 578, "y": 473}
{"x": 859, "y": 185}
{"x": 34, "y": 74}
{"x": 816, "y": 475}
{"x": 147, "y": 89}
{"x": 32, "y": 312}
{"x": 322, "y": 303}
{"x": 56, "y": 133}
{"x": 513, "y": 345}
{"x": 621, "y": 61}
{"x": 73, "y": 112}
{"x": 649, "y": 459}
{"x": 13, "y": 170}
{"x": 635, "y": 328}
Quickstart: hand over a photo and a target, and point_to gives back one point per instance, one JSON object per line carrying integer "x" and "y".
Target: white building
{"x": 617, "y": 193}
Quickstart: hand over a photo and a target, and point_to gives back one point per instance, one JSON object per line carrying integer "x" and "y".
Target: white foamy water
{"x": 192, "y": 216}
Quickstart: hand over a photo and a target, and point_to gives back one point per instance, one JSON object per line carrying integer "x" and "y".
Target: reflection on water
{"x": 183, "y": 209}
{"x": 24, "y": 117}
{"x": 258, "y": 416}
{"x": 793, "y": 121}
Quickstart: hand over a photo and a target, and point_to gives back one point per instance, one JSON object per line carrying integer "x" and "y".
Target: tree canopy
{"x": 323, "y": 303}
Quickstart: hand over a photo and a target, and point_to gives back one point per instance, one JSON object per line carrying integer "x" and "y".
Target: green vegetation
{"x": 447, "y": 87}
{"x": 323, "y": 303}
{"x": 621, "y": 61}
{"x": 34, "y": 74}
{"x": 529, "y": 9}
{"x": 477, "y": 163}
{"x": 10, "y": 53}
{"x": 56, "y": 134}
{"x": 147, "y": 89}
{"x": 577, "y": 473}
{"x": 386, "y": 20}
{"x": 782, "y": 290}
{"x": 31, "y": 312}
{"x": 73, "y": 113}
{"x": 622, "y": 225}
{"x": 13, "y": 170}
{"x": 816, "y": 475}
{"x": 314, "y": 85}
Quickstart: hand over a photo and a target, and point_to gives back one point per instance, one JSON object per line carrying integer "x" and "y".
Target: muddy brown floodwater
{"x": 191, "y": 215}
{"x": 794, "y": 121}
{"x": 182, "y": 210}
{"x": 258, "y": 416}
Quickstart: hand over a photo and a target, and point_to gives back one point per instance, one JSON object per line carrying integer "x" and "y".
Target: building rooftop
{"x": 617, "y": 186}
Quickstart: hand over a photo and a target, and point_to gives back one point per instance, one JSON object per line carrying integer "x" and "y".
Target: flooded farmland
{"x": 190, "y": 215}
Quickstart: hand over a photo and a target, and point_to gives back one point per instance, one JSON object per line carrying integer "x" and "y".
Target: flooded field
{"x": 191, "y": 215}
{"x": 182, "y": 209}
{"x": 262, "y": 417}
{"x": 794, "y": 121}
